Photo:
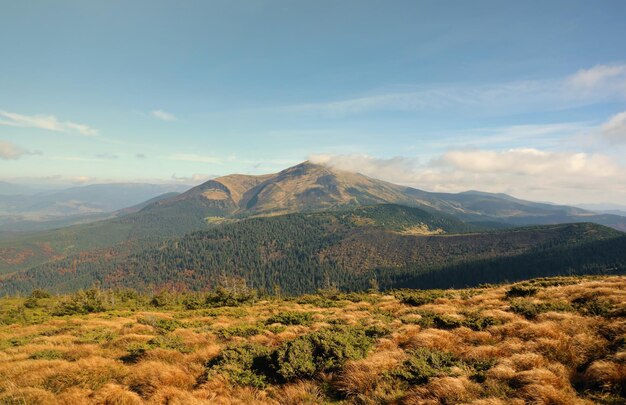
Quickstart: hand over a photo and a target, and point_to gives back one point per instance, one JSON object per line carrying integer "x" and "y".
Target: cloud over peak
{"x": 565, "y": 177}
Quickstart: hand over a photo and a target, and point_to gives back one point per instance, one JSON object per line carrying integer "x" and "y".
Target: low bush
{"x": 81, "y": 303}
{"x": 243, "y": 364}
{"x": 291, "y": 318}
{"x": 48, "y": 354}
{"x": 223, "y": 297}
{"x": 417, "y": 298}
{"x": 531, "y": 309}
{"x": 39, "y": 293}
{"x": 521, "y": 291}
{"x": 240, "y": 331}
{"x": 424, "y": 364}
{"x": 162, "y": 325}
{"x": 593, "y": 306}
{"x": 324, "y": 350}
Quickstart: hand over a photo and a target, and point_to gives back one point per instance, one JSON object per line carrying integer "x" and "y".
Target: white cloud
{"x": 47, "y": 122}
{"x": 539, "y": 175}
{"x": 598, "y": 75}
{"x": 597, "y": 84}
{"x": 10, "y": 151}
{"x": 191, "y": 157}
{"x": 386, "y": 169}
{"x": 614, "y": 129}
{"x": 196, "y": 178}
{"x": 163, "y": 115}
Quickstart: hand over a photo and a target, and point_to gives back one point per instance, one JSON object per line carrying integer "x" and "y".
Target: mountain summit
{"x": 304, "y": 187}
{"x": 314, "y": 187}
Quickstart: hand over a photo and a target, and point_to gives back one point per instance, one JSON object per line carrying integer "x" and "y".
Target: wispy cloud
{"x": 597, "y": 84}
{"x": 107, "y": 156}
{"x": 47, "y": 122}
{"x": 191, "y": 157}
{"x": 11, "y": 151}
{"x": 614, "y": 129}
{"x": 196, "y": 178}
{"x": 163, "y": 115}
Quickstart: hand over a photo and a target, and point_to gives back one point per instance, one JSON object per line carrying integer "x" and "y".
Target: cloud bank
{"x": 563, "y": 177}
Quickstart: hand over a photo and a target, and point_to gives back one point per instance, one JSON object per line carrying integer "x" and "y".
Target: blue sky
{"x": 526, "y": 98}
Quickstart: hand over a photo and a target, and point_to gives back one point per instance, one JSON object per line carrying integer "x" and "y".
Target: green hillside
{"x": 300, "y": 253}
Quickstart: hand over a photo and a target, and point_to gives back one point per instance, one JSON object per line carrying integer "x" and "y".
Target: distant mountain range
{"x": 26, "y": 210}
{"x": 404, "y": 231}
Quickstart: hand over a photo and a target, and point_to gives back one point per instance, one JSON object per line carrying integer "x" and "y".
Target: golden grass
{"x": 567, "y": 356}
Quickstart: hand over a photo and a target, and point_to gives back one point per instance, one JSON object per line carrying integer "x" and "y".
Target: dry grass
{"x": 570, "y": 353}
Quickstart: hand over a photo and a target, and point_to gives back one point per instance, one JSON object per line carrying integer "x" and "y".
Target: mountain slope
{"x": 311, "y": 187}
{"x": 305, "y": 251}
{"x": 306, "y": 187}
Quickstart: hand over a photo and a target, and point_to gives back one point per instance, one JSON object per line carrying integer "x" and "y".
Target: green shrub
{"x": 241, "y": 331}
{"x": 243, "y": 364}
{"x": 447, "y": 322}
{"x": 39, "y": 293}
{"x": 324, "y": 350}
{"x": 162, "y": 299}
{"x": 531, "y": 309}
{"x": 291, "y": 318}
{"x": 417, "y": 298}
{"x": 475, "y": 321}
{"x": 49, "y": 354}
{"x": 521, "y": 291}
{"x": 223, "y": 297}
{"x": 276, "y": 328}
{"x": 319, "y": 301}
{"x": 295, "y": 359}
{"x": 593, "y": 306}
{"x": 99, "y": 335}
{"x": 81, "y": 302}
{"x": 424, "y": 364}
{"x": 31, "y": 303}
{"x": 377, "y": 331}
{"x": 162, "y": 325}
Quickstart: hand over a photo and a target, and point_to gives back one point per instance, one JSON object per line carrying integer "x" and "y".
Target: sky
{"x": 526, "y": 98}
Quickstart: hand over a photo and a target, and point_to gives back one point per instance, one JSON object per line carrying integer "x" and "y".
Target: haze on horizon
{"x": 525, "y": 98}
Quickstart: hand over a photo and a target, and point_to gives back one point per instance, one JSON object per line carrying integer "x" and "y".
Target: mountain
{"x": 311, "y": 187}
{"x": 45, "y": 210}
{"x": 303, "y": 188}
{"x": 14, "y": 189}
{"x": 301, "y": 252}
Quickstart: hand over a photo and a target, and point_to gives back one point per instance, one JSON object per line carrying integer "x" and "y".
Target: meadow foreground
{"x": 545, "y": 341}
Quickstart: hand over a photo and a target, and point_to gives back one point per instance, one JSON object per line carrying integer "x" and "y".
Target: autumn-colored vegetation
{"x": 545, "y": 341}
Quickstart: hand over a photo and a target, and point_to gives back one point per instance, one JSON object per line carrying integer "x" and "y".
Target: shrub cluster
{"x": 531, "y": 309}
{"x": 472, "y": 320}
{"x": 291, "y": 318}
{"x": 303, "y": 357}
{"x": 81, "y": 302}
{"x": 521, "y": 291}
{"x": 417, "y": 298}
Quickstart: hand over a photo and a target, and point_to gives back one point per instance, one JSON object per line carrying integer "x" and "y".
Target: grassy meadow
{"x": 544, "y": 341}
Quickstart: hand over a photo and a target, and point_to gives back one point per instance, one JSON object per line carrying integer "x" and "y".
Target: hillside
{"x": 312, "y": 187}
{"x": 544, "y": 341}
{"x": 300, "y": 253}
{"x": 303, "y": 188}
